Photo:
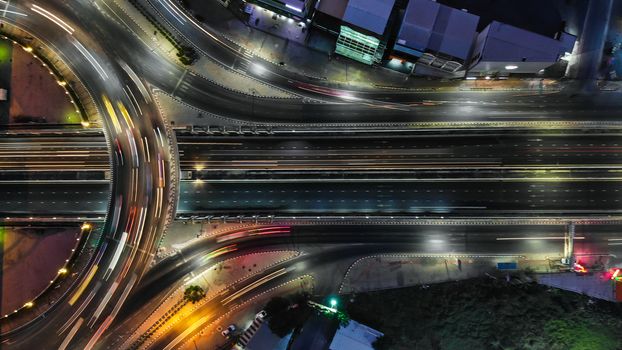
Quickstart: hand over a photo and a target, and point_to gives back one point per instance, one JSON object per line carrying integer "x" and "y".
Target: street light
{"x": 333, "y": 302}
{"x": 253, "y": 93}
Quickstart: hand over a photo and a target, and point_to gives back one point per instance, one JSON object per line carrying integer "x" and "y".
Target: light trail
{"x": 254, "y": 285}
{"x": 103, "y": 303}
{"x": 52, "y": 17}
{"x": 82, "y": 287}
{"x": 534, "y": 238}
{"x": 112, "y": 113}
{"x": 117, "y": 255}
{"x": 91, "y": 59}
{"x": 71, "y": 334}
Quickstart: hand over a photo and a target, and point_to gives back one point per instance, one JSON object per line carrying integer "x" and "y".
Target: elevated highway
{"x": 466, "y": 173}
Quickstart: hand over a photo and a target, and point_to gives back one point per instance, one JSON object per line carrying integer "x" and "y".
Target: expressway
{"x": 436, "y": 197}
{"x": 60, "y": 155}
{"x": 293, "y": 153}
{"x": 380, "y": 196}
{"x": 466, "y": 173}
{"x": 140, "y": 205}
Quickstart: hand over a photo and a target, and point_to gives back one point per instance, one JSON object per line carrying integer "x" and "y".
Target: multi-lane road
{"x": 330, "y": 246}
{"x": 466, "y": 173}
{"x": 540, "y": 175}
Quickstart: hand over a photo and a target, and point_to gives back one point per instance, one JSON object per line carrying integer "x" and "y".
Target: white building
{"x": 503, "y": 49}
{"x": 435, "y": 35}
{"x": 354, "y": 336}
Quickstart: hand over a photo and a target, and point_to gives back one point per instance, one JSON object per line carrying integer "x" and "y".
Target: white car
{"x": 227, "y": 332}
{"x": 261, "y": 315}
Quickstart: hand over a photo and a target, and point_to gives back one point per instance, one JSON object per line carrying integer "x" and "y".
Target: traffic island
{"x": 32, "y": 257}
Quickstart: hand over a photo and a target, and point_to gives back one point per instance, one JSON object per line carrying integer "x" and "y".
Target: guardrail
{"x": 399, "y": 220}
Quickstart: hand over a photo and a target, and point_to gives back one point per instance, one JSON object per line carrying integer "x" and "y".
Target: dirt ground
{"x": 31, "y": 258}
{"x": 35, "y": 95}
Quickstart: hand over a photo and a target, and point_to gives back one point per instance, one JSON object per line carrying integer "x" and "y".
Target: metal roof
{"x": 371, "y": 15}
{"x": 428, "y": 25}
{"x": 354, "y": 336}
{"x": 506, "y": 43}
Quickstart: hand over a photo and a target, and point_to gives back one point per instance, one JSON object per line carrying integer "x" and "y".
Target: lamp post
{"x": 253, "y": 93}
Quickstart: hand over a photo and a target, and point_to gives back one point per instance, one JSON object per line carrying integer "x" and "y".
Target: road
{"x": 328, "y": 245}
{"x": 52, "y": 156}
{"x": 140, "y": 206}
{"x": 465, "y": 173}
{"x": 220, "y": 157}
{"x": 437, "y": 197}
{"x": 114, "y": 59}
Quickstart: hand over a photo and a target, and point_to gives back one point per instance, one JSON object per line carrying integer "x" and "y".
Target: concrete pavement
{"x": 403, "y": 270}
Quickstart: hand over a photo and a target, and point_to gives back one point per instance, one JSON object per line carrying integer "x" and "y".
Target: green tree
{"x": 287, "y": 314}
{"x": 194, "y": 293}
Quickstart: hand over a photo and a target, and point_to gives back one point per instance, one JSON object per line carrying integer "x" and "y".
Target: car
{"x": 261, "y": 315}
{"x": 227, "y": 332}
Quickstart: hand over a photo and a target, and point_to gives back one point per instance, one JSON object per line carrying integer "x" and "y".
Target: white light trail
{"x": 52, "y": 17}
{"x": 91, "y": 59}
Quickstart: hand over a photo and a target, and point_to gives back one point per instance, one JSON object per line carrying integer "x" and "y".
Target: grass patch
{"x": 488, "y": 314}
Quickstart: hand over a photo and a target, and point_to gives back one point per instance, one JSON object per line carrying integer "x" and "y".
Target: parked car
{"x": 227, "y": 332}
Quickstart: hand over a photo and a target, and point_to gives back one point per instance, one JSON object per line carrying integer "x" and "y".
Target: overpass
{"x": 468, "y": 173}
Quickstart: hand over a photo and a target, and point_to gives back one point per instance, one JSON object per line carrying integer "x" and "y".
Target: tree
{"x": 383, "y": 343}
{"x": 194, "y": 293}
{"x": 287, "y": 314}
{"x": 276, "y": 306}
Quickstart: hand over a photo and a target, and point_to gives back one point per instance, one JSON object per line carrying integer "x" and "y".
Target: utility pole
{"x": 253, "y": 93}
{"x": 569, "y": 244}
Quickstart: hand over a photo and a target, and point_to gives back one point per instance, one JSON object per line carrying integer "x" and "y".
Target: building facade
{"x": 361, "y": 26}
{"x": 297, "y": 9}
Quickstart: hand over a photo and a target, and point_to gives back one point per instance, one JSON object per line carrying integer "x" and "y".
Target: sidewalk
{"x": 396, "y": 271}
{"x": 597, "y": 285}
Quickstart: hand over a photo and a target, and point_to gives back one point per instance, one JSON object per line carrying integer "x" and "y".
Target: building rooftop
{"x": 428, "y": 25}
{"x": 506, "y": 43}
{"x": 334, "y": 8}
{"x": 371, "y": 15}
{"x": 354, "y": 336}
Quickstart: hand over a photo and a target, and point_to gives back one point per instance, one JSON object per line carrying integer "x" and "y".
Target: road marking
{"x": 179, "y": 82}
{"x": 6, "y": 8}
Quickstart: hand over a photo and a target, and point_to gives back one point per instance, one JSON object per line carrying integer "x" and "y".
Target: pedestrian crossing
{"x": 249, "y": 332}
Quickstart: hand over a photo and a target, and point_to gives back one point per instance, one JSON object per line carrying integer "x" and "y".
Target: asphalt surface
{"x": 224, "y": 156}
{"x": 59, "y": 156}
{"x": 467, "y": 173}
{"x": 109, "y": 53}
{"x": 137, "y": 211}
{"x": 338, "y": 243}
{"x": 438, "y": 197}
